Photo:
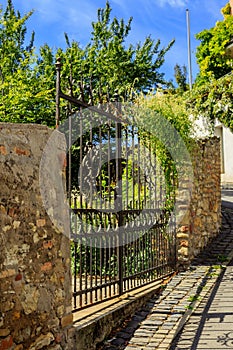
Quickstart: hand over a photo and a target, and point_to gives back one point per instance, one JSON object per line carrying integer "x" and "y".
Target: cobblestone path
{"x": 194, "y": 311}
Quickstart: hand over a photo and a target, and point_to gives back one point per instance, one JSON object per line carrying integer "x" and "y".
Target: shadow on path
{"x": 210, "y": 326}
{"x": 205, "y": 323}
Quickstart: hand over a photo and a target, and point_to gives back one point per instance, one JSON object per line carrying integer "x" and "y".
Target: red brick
{"x": 6, "y": 343}
{"x": 47, "y": 266}
{"x": 3, "y": 150}
{"x": 21, "y": 152}
{"x": 11, "y": 212}
{"x": 58, "y": 338}
{"x": 16, "y": 315}
{"x": 48, "y": 244}
{"x": 18, "y": 277}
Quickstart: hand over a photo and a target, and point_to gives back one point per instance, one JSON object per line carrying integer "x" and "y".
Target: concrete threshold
{"x": 93, "y": 324}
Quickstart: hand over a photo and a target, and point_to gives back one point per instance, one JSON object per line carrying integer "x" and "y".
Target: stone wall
{"x": 203, "y": 214}
{"x": 35, "y": 292}
{"x": 35, "y": 278}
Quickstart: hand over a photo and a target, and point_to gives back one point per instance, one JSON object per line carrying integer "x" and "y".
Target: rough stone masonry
{"x": 202, "y": 220}
{"x": 35, "y": 277}
{"x": 35, "y": 295}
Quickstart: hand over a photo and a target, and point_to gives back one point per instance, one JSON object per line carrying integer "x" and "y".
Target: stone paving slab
{"x": 171, "y": 320}
{"x": 211, "y": 323}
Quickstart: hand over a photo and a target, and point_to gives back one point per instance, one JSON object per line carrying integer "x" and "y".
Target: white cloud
{"x": 173, "y": 3}
{"x": 63, "y": 12}
{"x": 52, "y": 18}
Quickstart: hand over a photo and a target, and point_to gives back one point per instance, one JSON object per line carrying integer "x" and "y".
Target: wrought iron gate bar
{"x": 120, "y": 239}
{"x": 130, "y": 211}
{"x": 75, "y": 101}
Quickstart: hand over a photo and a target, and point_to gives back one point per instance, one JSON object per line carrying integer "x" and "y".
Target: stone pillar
{"x": 203, "y": 216}
{"x": 35, "y": 278}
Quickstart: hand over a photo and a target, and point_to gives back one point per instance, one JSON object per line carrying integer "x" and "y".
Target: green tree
{"x": 12, "y": 40}
{"x": 212, "y": 94}
{"x": 180, "y": 74}
{"x": 211, "y": 56}
{"x": 104, "y": 70}
{"x": 25, "y": 89}
{"x": 106, "y": 66}
{"x": 213, "y": 100}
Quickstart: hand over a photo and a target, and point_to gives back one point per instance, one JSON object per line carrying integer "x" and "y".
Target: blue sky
{"x": 162, "y": 19}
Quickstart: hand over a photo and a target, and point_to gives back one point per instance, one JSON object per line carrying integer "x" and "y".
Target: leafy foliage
{"x": 172, "y": 107}
{"x": 181, "y": 77}
{"x": 172, "y": 130}
{"x": 106, "y": 69}
{"x": 102, "y": 71}
{"x": 12, "y": 37}
{"x": 214, "y": 100}
{"x": 211, "y": 56}
{"x": 211, "y": 96}
{"x": 27, "y": 92}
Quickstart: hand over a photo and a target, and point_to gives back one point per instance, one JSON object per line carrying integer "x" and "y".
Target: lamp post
{"x": 189, "y": 49}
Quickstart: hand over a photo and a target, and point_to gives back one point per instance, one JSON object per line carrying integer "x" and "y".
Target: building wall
{"x": 202, "y": 130}
{"x": 226, "y": 146}
{"x": 231, "y": 4}
{"x": 227, "y": 159}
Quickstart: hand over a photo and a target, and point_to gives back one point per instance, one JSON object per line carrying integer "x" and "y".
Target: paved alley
{"x": 195, "y": 310}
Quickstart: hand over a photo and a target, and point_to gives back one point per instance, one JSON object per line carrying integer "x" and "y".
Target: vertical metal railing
{"x": 119, "y": 203}
{"x": 126, "y": 202}
{"x": 127, "y": 190}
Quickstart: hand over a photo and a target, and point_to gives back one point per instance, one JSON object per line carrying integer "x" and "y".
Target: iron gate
{"x": 120, "y": 238}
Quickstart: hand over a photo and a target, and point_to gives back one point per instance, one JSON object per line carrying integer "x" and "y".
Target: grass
{"x": 193, "y": 298}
